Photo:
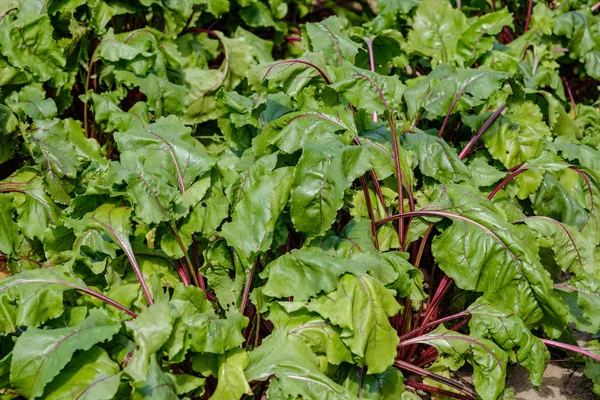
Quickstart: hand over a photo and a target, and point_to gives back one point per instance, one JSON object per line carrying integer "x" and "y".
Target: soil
{"x": 558, "y": 383}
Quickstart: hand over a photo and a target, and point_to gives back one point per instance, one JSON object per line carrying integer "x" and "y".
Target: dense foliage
{"x": 267, "y": 199}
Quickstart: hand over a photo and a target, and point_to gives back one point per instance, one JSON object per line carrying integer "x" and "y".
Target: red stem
{"x": 428, "y": 374}
{"x": 505, "y": 181}
{"x": 432, "y": 324}
{"x": 573, "y": 106}
{"x": 432, "y": 389}
{"x": 575, "y": 349}
{"x": 483, "y": 128}
{"x": 247, "y": 287}
{"x": 528, "y": 19}
{"x": 596, "y": 6}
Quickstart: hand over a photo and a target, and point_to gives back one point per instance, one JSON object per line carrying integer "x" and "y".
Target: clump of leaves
{"x": 184, "y": 216}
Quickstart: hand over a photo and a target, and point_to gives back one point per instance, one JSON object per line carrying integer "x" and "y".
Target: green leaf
{"x": 40, "y": 354}
{"x": 294, "y": 131}
{"x": 320, "y": 179}
{"x": 295, "y": 367}
{"x": 253, "y": 222}
{"x": 9, "y": 232}
{"x": 319, "y": 334}
{"x": 473, "y": 42}
{"x": 488, "y": 360}
{"x": 368, "y": 90}
{"x": 501, "y": 262}
{"x": 385, "y": 386}
{"x": 327, "y": 37}
{"x": 509, "y": 332}
{"x": 62, "y": 150}
{"x": 150, "y": 330}
{"x": 305, "y": 273}
{"x": 231, "y": 381}
{"x": 361, "y": 306}
{"x": 32, "y": 297}
{"x": 436, "y": 159}
{"x": 90, "y": 375}
{"x": 447, "y": 87}
{"x": 289, "y": 76}
{"x": 166, "y": 150}
{"x": 517, "y": 136}
{"x": 158, "y": 385}
{"x": 27, "y": 42}
{"x": 436, "y": 30}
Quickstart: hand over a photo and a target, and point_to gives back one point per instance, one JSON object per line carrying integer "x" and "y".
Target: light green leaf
{"x": 231, "y": 381}
{"x": 517, "y": 136}
{"x": 361, "y": 306}
{"x": 28, "y": 43}
{"x": 507, "y": 331}
{"x": 295, "y": 367}
{"x": 436, "y": 30}
{"x": 40, "y": 354}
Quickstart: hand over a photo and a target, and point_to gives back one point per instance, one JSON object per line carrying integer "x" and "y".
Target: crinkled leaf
{"x": 361, "y": 306}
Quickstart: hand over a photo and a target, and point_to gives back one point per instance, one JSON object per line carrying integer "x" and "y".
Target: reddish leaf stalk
{"x": 432, "y": 389}
{"x": 432, "y": 324}
{"x": 372, "y": 66}
{"x": 569, "y": 347}
{"x": 182, "y": 272}
{"x": 528, "y": 18}
{"x": 428, "y": 374}
{"x": 595, "y": 7}
{"x": 573, "y": 105}
{"x": 481, "y": 131}
{"x": 505, "y": 181}
{"x": 247, "y": 287}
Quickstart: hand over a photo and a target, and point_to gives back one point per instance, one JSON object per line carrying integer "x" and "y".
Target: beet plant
{"x": 270, "y": 200}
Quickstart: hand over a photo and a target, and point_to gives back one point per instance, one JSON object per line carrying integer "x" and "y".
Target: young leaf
{"x": 516, "y": 137}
